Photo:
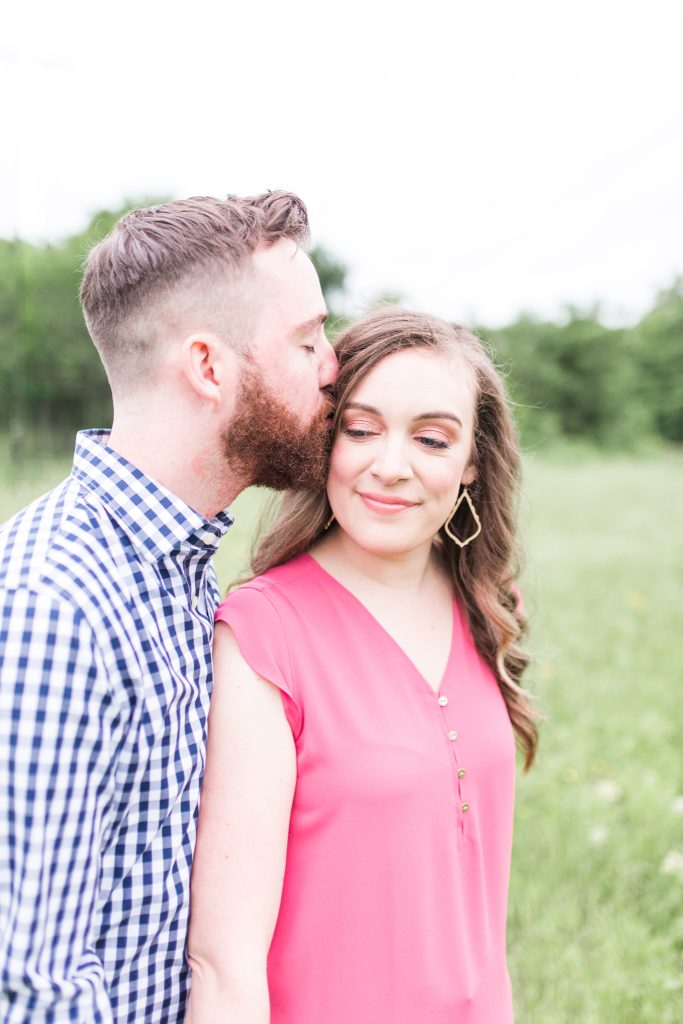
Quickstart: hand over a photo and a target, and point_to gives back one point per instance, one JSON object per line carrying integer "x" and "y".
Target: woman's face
{"x": 403, "y": 449}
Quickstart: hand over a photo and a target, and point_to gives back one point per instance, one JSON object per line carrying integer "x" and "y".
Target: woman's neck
{"x": 337, "y": 553}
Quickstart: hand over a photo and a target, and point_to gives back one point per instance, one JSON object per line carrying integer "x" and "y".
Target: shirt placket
{"x": 194, "y": 570}
{"x": 450, "y": 732}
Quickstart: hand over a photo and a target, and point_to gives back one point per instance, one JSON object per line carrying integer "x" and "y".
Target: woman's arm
{"x": 241, "y": 842}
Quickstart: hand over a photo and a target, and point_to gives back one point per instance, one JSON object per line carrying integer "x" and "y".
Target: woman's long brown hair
{"x": 484, "y": 572}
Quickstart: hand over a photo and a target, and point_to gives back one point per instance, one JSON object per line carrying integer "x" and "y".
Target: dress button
{"x": 443, "y": 701}
{"x": 465, "y": 807}
{"x": 461, "y": 773}
{"x": 452, "y": 735}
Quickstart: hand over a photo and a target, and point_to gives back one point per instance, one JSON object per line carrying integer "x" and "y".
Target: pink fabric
{"x": 394, "y": 901}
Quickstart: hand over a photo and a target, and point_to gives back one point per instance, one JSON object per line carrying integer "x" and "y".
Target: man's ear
{"x": 209, "y": 366}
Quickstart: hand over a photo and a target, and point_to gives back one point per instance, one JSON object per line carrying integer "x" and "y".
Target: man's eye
{"x": 308, "y": 348}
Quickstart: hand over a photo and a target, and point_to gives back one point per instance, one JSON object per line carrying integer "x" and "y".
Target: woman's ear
{"x": 469, "y": 476}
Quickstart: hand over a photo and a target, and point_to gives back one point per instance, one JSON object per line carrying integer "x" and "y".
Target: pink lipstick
{"x": 385, "y": 504}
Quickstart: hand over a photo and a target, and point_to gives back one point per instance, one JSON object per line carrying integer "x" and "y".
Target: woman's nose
{"x": 392, "y": 462}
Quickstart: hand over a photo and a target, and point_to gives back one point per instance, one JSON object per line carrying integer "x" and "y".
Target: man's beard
{"x": 266, "y": 443}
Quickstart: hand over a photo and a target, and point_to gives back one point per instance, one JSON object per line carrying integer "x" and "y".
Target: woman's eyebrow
{"x": 439, "y": 415}
{"x": 363, "y": 408}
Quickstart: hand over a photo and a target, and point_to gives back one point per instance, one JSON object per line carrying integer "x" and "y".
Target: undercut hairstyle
{"x": 483, "y": 573}
{"x": 182, "y": 262}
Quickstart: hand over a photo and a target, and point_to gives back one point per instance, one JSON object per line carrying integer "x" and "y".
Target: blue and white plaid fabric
{"x": 107, "y": 598}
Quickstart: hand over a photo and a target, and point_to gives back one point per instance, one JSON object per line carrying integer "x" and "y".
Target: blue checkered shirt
{"x": 107, "y": 599}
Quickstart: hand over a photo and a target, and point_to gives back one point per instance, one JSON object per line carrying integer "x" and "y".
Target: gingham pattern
{"x": 107, "y": 598}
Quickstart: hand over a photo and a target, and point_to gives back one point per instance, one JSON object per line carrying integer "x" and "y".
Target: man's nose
{"x": 327, "y": 374}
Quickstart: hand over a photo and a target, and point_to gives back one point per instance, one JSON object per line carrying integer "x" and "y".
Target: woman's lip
{"x": 385, "y": 503}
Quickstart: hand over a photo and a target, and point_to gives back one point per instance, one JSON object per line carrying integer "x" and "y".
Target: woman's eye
{"x": 433, "y": 442}
{"x": 357, "y": 432}
{"x": 308, "y": 348}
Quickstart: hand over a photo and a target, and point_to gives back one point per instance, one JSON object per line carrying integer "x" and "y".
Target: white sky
{"x": 481, "y": 157}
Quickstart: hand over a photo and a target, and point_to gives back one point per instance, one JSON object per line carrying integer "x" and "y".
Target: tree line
{"x": 576, "y": 379}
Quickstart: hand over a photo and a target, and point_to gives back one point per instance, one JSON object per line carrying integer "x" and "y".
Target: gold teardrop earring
{"x": 465, "y": 496}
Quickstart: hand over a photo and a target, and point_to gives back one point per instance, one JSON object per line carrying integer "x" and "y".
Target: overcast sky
{"x": 481, "y": 158}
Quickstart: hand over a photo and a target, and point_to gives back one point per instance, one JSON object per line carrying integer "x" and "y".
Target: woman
{"x": 355, "y": 829}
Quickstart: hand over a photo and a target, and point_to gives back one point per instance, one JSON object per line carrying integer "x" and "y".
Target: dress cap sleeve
{"x": 261, "y": 638}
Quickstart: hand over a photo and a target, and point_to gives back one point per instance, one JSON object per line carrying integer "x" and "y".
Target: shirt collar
{"x": 156, "y": 520}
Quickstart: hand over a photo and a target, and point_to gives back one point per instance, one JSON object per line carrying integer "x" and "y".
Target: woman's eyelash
{"x": 357, "y": 432}
{"x": 427, "y": 442}
{"x": 433, "y": 442}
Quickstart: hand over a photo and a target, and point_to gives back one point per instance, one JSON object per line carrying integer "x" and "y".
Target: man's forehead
{"x": 279, "y": 257}
{"x": 286, "y": 276}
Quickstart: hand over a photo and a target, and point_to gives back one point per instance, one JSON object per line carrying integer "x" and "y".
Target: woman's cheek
{"x": 345, "y": 461}
{"x": 446, "y": 485}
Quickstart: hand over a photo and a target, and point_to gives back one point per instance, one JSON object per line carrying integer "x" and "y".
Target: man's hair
{"x": 179, "y": 256}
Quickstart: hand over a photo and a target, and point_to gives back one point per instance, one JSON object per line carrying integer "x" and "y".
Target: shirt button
{"x": 461, "y": 773}
{"x": 195, "y": 601}
{"x": 452, "y": 735}
{"x": 465, "y": 807}
{"x": 443, "y": 701}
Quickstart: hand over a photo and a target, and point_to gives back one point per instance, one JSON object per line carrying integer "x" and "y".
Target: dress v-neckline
{"x": 406, "y": 657}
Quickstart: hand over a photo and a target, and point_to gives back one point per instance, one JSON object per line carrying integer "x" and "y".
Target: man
{"x": 208, "y": 318}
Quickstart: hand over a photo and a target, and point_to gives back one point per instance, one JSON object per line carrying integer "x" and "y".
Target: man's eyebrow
{"x": 309, "y": 325}
{"x": 438, "y": 414}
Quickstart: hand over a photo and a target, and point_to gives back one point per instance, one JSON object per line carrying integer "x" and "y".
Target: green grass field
{"x": 596, "y": 900}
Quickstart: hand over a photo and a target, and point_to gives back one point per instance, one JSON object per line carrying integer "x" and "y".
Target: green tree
{"x": 657, "y": 343}
{"x": 578, "y": 379}
{"x": 331, "y": 271}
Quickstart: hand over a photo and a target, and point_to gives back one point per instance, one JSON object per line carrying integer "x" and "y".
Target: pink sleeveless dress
{"x": 395, "y": 890}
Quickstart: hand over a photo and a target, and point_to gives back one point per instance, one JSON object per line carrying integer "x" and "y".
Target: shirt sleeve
{"x": 261, "y": 638}
{"x": 56, "y": 769}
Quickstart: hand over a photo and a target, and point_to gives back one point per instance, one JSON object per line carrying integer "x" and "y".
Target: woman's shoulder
{"x": 274, "y": 583}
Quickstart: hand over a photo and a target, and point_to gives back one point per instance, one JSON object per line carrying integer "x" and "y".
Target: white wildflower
{"x": 673, "y": 864}
{"x": 608, "y": 790}
{"x": 598, "y": 835}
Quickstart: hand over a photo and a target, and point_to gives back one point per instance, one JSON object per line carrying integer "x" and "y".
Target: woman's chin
{"x": 384, "y": 543}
